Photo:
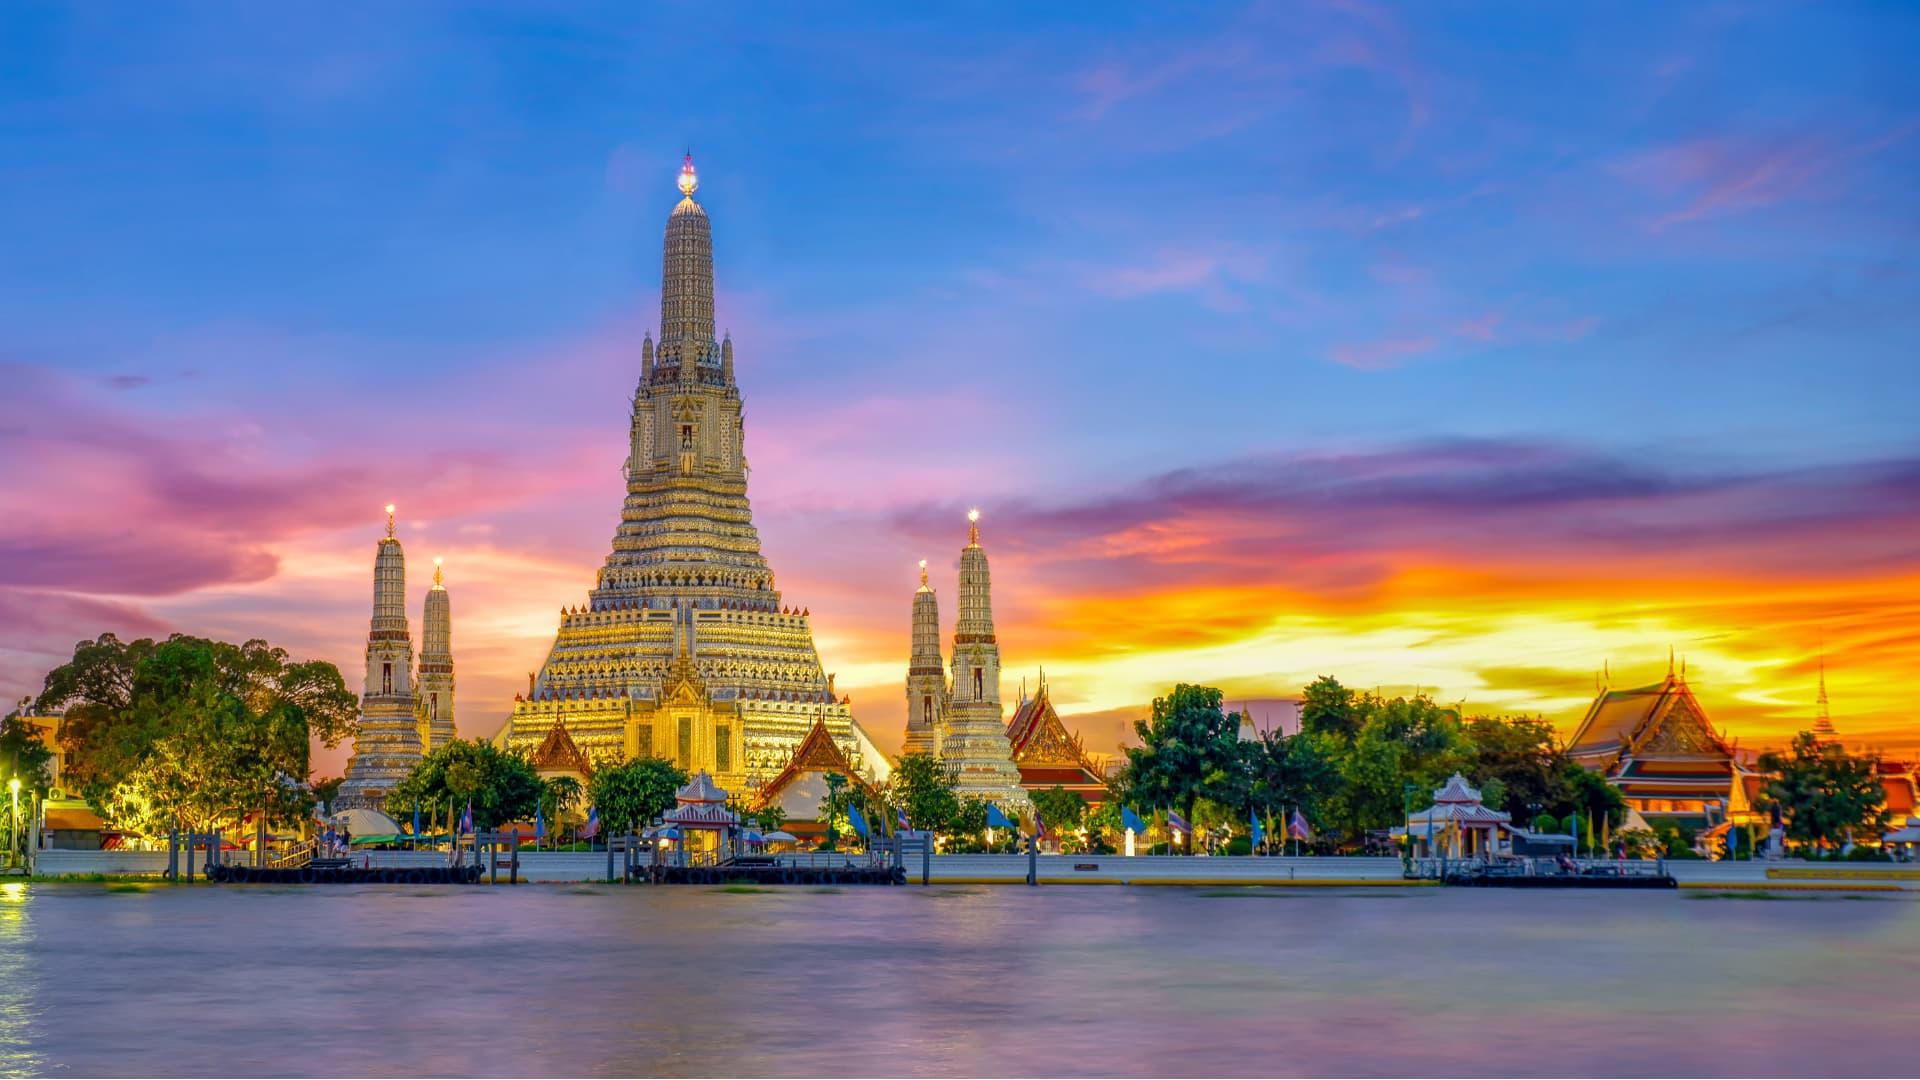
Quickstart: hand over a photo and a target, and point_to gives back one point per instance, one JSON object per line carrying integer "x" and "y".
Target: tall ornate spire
{"x": 686, "y": 279}
{"x": 975, "y": 746}
{"x": 388, "y": 743}
{"x": 926, "y": 674}
{"x": 1823, "y": 722}
{"x": 436, "y": 666}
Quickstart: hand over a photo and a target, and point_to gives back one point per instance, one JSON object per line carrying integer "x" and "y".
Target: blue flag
{"x": 593, "y": 822}
{"x": 857, "y": 820}
{"x": 1131, "y": 820}
{"x": 539, "y": 823}
{"x": 416, "y": 819}
{"x": 996, "y": 819}
{"x": 1259, "y": 831}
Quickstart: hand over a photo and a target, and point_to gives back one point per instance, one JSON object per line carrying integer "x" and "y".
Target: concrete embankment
{"x": 1308, "y": 872}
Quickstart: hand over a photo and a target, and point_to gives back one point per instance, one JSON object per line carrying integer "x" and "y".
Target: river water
{"x": 537, "y": 980}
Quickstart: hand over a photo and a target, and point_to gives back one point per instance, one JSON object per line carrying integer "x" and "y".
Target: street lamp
{"x": 13, "y": 821}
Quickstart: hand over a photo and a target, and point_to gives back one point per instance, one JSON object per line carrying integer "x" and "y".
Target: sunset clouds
{"x": 1272, "y": 341}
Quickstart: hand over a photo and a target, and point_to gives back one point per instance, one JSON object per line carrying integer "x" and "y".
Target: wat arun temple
{"x": 685, "y": 649}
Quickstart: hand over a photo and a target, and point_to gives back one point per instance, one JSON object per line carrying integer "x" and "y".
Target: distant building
{"x": 1656, "y": 745}
{"x": 404, "y": 714}
{"x": 1048, "y": 755}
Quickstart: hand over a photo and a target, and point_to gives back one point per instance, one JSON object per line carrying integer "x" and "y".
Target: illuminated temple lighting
{"x": 689, "y": 180}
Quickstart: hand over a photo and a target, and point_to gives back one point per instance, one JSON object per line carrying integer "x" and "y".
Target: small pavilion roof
{"x": 1455, "y": 801}
{"x": 701, "y": 790}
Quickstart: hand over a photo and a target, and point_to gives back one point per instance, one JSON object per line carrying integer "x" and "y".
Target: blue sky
{"x": 1043, "y": 256}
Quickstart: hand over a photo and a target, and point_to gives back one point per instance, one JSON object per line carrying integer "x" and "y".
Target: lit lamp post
{"x": 13, "y": 823}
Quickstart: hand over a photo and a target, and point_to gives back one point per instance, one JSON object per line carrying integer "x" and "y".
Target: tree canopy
{"x": 500, "y": 786}
{"x": 921, "y": 786}
{"x": 190, "y": 733}
{"x": 1826, "y": 795}
{"x": 1190, "y": 750}
{"x": 629, "y": 795}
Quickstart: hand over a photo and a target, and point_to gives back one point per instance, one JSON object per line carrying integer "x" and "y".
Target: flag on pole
{"x": 593, "y": 823}
{"x": 1176, "y": 822}
{"x": 1039, "y": 824}
{"x": 466, "y": 819}
{"x": 1131, "y": 820}
{"x": 996, "y": 819}
{"x": 1297, "y": 826}
{"x": 857, "y": 820}
{"x": 416, "y": 820}
{"x": 1589, "y": 832}
{"x": 539, "y": 823}
{"x": 1259, "y": 832}
{"x": 900, "y": 818}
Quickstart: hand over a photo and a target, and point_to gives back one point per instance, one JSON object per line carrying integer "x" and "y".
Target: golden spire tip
{"x": 689, "y": 180}
{"x": 389, "y": 519}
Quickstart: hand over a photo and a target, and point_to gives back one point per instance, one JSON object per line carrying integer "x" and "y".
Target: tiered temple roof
{"x": 558, "y": 754}
{"x": 1657, "y": 746}
{"x": 1047, "y": 754}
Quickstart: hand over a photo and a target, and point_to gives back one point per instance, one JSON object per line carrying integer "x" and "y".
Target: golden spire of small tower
{"x": 973, "y": 527}
{"x": 1823, "y": 722}
{"x": 689, "y": 180}
{"x": 437, "y": 563}
{"x": 389, "y": 519}
{"x": 923, "y": 574}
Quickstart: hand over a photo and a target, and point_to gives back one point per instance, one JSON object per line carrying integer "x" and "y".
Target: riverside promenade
{"x": 556, "y": 867}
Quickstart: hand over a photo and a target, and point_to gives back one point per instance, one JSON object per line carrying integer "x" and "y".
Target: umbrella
{"x": 781, "y": 836}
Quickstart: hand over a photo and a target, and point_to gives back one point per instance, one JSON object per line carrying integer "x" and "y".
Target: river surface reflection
{"x": 932, "y": 981}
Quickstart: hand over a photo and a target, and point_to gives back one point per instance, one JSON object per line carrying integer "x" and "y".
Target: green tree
{"x": 499, "y": 785}
{"x": 922, "y": 787}
{"x": 1826, "y": 795}
{"x": 1064, "y": 811}
{"x": 1190, "y": 749}
{"x": 191, "y": 733}
{"x": 1403, "y": 743}
{"x": 1587, "y": 793}
{"x": 1520, "y": 755}
{"x": 560, "y": 796}
{"x": 1300, "y": 771}
{"x": 25, "y": 755}
{"x": 629, "y": 795}
{"x": 1327, "y": 708}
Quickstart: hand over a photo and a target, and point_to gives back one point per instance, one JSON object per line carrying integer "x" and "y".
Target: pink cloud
{"x": 1382, "y": 353}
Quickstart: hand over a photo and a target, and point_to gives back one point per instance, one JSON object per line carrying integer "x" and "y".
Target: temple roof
{"x": 816, "y": 753}
{"x": 1457, "y": 801}
{"x": 559, "y": 753}
{"x": 701, "y": 789}
{"x": 1663, "y": 718}
{"x": 1036, "y": 736}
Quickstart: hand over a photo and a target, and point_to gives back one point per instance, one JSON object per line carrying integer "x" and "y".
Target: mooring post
{"x": 609, "y": 860}
{"x": 173, "y": 854}
{"x": 190, "y": 856}
{"x": 1033, "y": 860}
{"x": 926, "y": 860}
{"x": 513, "y": 853}
{"x": 260, "y": 842}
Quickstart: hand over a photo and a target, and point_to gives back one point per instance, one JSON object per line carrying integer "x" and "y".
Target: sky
{"x": 1461, "y": 349}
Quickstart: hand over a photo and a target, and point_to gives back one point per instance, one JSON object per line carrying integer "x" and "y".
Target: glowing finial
{"x": 437, "y": 561}
{"x": 689, "y": 182}
{"x": 973, "y": 526}
{"x": 923, "y": 571}
{"x": 389, "y": 519}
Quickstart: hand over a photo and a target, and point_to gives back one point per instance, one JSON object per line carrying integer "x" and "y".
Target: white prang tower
{"x": 926, "y": 676}
{"x": 388, "y": 744}
{"x": 435, "y": 692}
{"x": 975, "y": 747}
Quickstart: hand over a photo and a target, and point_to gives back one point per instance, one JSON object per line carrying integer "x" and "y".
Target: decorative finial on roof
{"x": 1823, "y": 723}
{"x": 973, "y": 526}
{"x": 689, "y": 181}
{"x": 437, "y": 563}
{"x": 389, "y": 520}
{"x": 1669, "y": 661}
{"x": 923, "y": 571}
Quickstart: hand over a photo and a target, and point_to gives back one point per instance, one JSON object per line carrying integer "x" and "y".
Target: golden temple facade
{"x": 684, "y": 650}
